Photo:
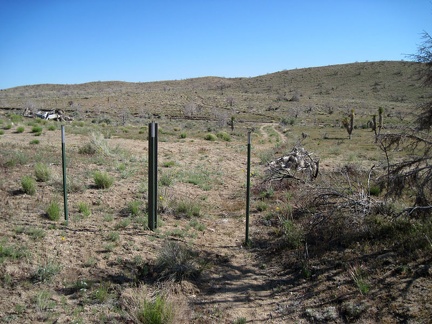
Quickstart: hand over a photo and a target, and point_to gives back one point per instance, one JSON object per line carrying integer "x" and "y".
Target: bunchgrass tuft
{"x": 42, "y": 172}
{"x": 102, "y": 180}
{"x": 53, "y": 211}
{"x": 28, "y": 185}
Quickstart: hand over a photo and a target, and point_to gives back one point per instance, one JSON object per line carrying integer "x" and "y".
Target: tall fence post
{"x": 248, "y": 187}
{"x": 63, "y": 140}
{"x": 152, "y": 175}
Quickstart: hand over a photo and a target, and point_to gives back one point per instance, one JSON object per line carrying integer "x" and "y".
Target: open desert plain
{"x": 325, "y": 243}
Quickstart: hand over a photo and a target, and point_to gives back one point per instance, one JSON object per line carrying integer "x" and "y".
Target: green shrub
{"x": 1, "y": 131}
{"x": 224, "y": 136}
{"x": 166, "y": 179}
{"x": 36, "y": 129}
{"x": 52, "y": 127}
{"x": 134, "y": 208}
{"x": 28, "y": 185}
{"x": 53, "y": 211}
{"x": 210, "y": 137}
{"x": 20, "y": 129}
{"x": 168, "y": 164}
{"x": 8, "y": 126}
{"x": 42, "y": 172}
{"x": 88, "y": 149}
{"x": 16, "y": 118}
{"x": 375, "y": 190}
{"x": 46, "y": 271}
{"x": 176, "y": 262}
{"x": 84, "y": 209}
{"x": 188, "y": 208}
{"x": 293, "y": 233}
{"x": 155, "y": 311}
{"x": 183, "y": 135}
{"x": 103, "y": 180}
{"x": 35, "y": 141}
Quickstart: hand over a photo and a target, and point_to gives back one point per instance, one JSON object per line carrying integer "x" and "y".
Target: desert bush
{"x": 166, "y": 179}
{"x": 42, "y": 172}
{"x": 177, "y": 262}
{"x": 187, "y": 208}
{"x": 28, "y": 185}
{"x": 210, "y": 137}
{"x": 46, "y": 271}
{"x": 84, "y": 209}
{"x": 1, "y": 132}
{"x": 293, "y": 233}
{"x": 53, "y": 211}
{"x": 20, "y": 129}
{"x": 183, "y": 135}
{"x": 224, "y": 136}
{"x": 134, "y": 208}
{"x": 87, "y": 148}
{"x": 34, "y": 142}
{"x": 36, "y": 129}
{"x": 156, "y": 311}
{"x": 102, "y": 180}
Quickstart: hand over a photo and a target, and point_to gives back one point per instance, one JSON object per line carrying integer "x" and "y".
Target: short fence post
{"x": 64, "y": 174}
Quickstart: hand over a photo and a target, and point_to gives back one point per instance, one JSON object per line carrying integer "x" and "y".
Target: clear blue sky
{"x": 77, "y": 41}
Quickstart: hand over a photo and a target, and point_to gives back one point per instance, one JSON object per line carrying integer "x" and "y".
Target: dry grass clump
{"x": 161, "y": 306}
{"x": 176, "y": 262}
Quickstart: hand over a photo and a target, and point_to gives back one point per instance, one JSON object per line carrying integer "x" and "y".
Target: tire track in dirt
{"x": 273, "y": 126}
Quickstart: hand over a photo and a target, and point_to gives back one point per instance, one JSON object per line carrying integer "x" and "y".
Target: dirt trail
{"x": 273, "y": 126}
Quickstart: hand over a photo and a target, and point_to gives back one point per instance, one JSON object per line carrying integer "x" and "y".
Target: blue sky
{"x": 77, "y": 41}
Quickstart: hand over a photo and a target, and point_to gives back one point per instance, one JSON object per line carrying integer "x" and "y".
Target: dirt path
{"x": 273, "y": 126}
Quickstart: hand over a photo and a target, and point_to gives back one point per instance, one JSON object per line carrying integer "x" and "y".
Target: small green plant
{"x": 155, "y": 311}
{"x": 240, "y": 320}
{"x": 166, "y": 179}
{"x": 183, "y": 135}
{"x": 8, "y": 126}
{"x": 12, "y": 251}
{"x": 42, "y": 172}
{"x": 261, "y": 206}
{"x": 52, "y": 127}
{"x": 46, "y": 271}
{"x": 177, "y": 262}
{"x": 35, "y": 141}
{"x": 293, "y": 233}
{"x": 1, "y": 132}
{"x": 36, "y": 129}
{"x": 20, "y": 129}
{"x": 168, "y": 164}
{"x": 358, "y": 275}
{"x": 134, "y": 208}
{"x": 123, "y": 223}
{"x": 84, "y": 209}
{"x": 88, "y": 149}
{"x": 113, "y": 236}
{"x": 43, "y": 301}
{"x": 224, "y": 136}
{"x": 101, "y": 293}
{"x": 188, "y": 208}
{"x": 102, "y": 180}
{"x": 375, "y": 190}
{"x": 53, "y": 211}
{"x": 28, "y": 185}
{"x": 210, "y": 137}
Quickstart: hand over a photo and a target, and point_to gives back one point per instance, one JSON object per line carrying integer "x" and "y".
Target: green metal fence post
{"x": 248, "y": 187}
{"x": 152, "y": 176}
{"x": 66, "y": 214}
